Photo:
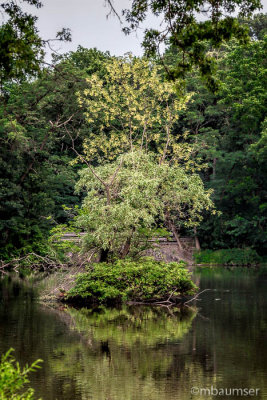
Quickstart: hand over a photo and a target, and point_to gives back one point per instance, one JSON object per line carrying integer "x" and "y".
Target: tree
{"x": 132, "y": 108}
{"x": 184, "y": 200}
{"x": 240, "y": 178}
{"x": 36, "y": 177}
{"x": 21, "y": 48}
{"x": 183, "y": 29}
{"x": 223, "y": 129}
{"x": 257, "y": 26}
{"x": 127, "y": 200}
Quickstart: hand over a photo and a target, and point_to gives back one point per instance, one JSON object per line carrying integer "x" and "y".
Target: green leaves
{"x": 126, "y": 200}
{"x": 13, "y": 378}
{"x": 192, "y": 37}
{"x": 245, "y": 256}
{"x": 126, "y": 280}
{"x": 130, "y": 108}
{"x": 21, "y": 48}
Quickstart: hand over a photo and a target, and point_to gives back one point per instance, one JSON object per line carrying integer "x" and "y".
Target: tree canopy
{"x": 22, "y": 49}
{"x": 128, "y": 200}
{"x": 131, "y": 107}
{"x": 193, "y": 27}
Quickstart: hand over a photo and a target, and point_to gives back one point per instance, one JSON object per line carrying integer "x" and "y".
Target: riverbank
{"x": 94, "y": 284}
{"x": 52, "y": 287}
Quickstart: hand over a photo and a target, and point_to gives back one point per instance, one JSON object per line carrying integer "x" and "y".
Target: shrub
{"x": 13, "y": 378}
{"x": 125, "y": 280}
{"x": 228, "y": 257}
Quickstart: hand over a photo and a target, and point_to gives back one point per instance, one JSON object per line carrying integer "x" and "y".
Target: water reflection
{"x": 127, "y": 326}
{"x": 125, "y": 353}
{"x": 140, "y": 352}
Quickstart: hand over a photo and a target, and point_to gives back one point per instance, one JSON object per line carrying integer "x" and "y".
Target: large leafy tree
{"x": 240, "y": 180}
{"x": 227, "y": 130}
{"x": 132, "y": 107}
{"x": 127, "y": 200}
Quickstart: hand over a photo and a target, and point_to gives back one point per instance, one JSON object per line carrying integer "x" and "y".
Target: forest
{"x": 105, "y": 158}
{"x": 91, "y": 108}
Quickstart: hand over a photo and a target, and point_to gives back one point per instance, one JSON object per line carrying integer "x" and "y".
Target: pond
{"x": 145, "y": 353}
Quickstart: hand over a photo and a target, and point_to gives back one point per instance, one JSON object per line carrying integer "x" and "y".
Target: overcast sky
{"x": 89, "y": 25}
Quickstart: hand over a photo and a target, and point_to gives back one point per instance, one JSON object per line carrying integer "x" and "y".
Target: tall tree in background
{"x": 228, "y": 132}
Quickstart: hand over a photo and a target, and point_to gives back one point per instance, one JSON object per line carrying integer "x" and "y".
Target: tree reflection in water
{"x": 128, "y": 352}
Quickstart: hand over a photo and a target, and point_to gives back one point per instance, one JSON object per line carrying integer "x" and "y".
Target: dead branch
{"x": 46, "y": 261}
{"x": 196, "y": 296}
{"x": 84, "y": 160}
{"x": 112, "y": 10}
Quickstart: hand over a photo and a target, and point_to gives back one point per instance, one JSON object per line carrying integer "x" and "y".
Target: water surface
{"x": 144, "y": 353}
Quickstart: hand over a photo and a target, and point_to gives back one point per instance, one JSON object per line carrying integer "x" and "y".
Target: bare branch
{"x": 85, "y": 161}
{"x": 116, "y": 172}
{"x": 58, "y": 125}
{"x": 46, "y": 260}
{"x": 113, "y": 10}
{"x": 196, "y": 296}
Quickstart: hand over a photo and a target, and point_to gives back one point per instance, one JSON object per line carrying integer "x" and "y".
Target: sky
{"x": 89, "y": 25}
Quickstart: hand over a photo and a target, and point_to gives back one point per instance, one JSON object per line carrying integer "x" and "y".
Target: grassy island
{"x": 149, "y": 281}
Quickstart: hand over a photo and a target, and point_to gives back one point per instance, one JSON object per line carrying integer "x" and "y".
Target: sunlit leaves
{"x": 131, "y": 108}
{"x": 14, "y": 378}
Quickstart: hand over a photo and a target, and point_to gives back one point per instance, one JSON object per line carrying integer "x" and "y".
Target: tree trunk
{"x": 214, "y": 167}
{"x": 197, "y": 244}
{"x": 127, "y": 245}
{"x": 171, "y": 226}
{"x": 177, "y": 237}
{"x": 103, "y": 255}
{"x": 126, "y": 248}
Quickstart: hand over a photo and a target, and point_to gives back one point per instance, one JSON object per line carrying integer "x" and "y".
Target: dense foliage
{"x": 92, "y": 108}
{"x": 132, "y": 107}
{"x": 192, "y": 36}
{"x": 126, "y": 280}
{"x": 228, "y": 257}
{"x": 127, "y": 201}
{"x": 14, "y": 379}
{"x": 36, "y": 178}
{"x": 22, "y": 49}
{"x": 228, "y": 129}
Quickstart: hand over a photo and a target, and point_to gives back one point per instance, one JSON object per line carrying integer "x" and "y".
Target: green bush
{"x": 127, "y": 280}
{"x": 228, "y": 257}
{"x": 13, "y": 378}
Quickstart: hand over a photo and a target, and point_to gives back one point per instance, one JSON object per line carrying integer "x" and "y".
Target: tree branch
{"x": 112, "y": 10}
{"x": 196, "y": 296}
{"x": 84, "y": 160}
